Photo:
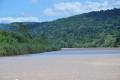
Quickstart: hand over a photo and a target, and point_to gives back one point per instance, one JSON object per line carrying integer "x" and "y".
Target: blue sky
{"x": 46, "y": 10}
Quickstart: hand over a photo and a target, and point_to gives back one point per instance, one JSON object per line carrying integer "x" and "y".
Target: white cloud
{"x": 63, "y": 8}
{"x": 68, "y": 6}
{"x": 72, "y": 8}
{"x": 18, "y": 19}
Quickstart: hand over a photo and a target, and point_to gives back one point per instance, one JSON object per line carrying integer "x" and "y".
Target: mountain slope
{"x": 94, "y": 29}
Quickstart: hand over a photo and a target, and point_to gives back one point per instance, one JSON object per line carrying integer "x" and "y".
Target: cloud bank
{"x": 72, "y": 8}
{"x": 18, "y": 19}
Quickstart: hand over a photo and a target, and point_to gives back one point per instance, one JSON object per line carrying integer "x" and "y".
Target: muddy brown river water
{"x": 67, "y": 64}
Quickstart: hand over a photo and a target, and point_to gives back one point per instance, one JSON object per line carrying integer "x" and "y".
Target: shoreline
{"x": 65, "y": 49}
{"x": 90, "y": 48}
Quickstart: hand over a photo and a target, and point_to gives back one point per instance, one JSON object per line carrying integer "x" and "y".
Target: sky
{"x": 47, "y": 10}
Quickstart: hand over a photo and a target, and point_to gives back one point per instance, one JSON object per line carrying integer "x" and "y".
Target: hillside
{"x": 93, "y": 29}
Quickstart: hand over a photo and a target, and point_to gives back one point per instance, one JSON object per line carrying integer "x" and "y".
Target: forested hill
{"x": 93, "y": 29}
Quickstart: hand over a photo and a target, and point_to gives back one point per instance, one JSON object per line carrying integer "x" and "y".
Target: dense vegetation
{"x": 22, "y": 42}
{"x": 94, "y": 29}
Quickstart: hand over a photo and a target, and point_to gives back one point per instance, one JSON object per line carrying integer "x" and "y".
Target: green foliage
{"x": 94, "y": 29}
{"x": 15, "y": 43}
{"x": 110, "y": 41}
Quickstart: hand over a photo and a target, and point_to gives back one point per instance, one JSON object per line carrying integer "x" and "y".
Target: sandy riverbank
{"x": 60, "y": 68}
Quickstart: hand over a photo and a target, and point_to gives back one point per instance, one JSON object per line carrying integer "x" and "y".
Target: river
{"x": 66, "y": 64}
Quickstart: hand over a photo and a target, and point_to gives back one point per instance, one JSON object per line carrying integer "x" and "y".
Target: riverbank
{"x": 65, "y": 67}
{"x": 90, "y": 48}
